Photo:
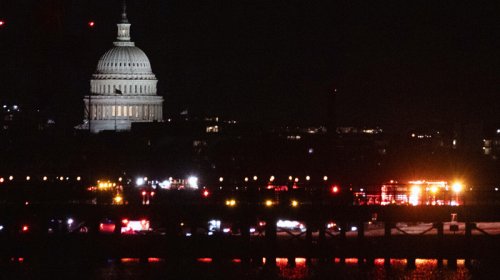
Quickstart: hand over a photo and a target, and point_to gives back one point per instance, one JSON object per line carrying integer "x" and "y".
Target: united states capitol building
{"x": 123, "y": 87}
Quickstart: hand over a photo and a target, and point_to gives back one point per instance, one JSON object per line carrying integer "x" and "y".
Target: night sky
{"x": 395, "y": 63}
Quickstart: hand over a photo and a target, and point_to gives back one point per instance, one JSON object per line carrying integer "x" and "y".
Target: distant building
{"x": 123, "y": 87}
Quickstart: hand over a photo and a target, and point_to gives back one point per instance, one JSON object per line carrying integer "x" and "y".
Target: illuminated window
{"x": 119, "y": 111}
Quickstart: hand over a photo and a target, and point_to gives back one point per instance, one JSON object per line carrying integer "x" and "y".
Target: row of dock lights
{"x": 272, "y": 178}
{"x": 44, "y": 178}
{"x": 267, "y": 203}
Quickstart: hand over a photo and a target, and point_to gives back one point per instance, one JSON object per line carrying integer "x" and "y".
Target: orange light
{"x": 295, "y": 203}
{"x": 269, "y": 203}
{"x": 125, "y": 221}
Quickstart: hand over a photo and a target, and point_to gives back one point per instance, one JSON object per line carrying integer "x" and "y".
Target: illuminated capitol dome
{"x": 123, "y": 87}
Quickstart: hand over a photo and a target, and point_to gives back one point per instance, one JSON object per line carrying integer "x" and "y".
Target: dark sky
{"x": 395, "y": 63}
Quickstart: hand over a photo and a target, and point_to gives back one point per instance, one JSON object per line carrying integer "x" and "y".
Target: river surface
{"x": 207, "y": 269}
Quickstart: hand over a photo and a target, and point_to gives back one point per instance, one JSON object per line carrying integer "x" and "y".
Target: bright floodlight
{"x": 165, "y": 184}
{"x": 139, "y": 181}
{"x": 70, "y": 221}
{"x": 457, "y": 187}
{"x": 193, "y": 182}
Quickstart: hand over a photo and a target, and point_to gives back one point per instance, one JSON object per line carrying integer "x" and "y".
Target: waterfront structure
{"x": 123, "y": 87}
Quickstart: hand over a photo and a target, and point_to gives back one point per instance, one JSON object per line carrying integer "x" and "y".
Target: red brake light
{"x": 91, "y": 24}
{"x": 25, "y": 228}
{"x": 206, "y": 193}
{"x": 335, "y": 189}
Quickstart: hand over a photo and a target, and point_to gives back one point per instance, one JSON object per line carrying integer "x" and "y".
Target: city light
{"x": 91, "y": 23}
{"x": 44, "y": 178}
{"x": 78, "y": 178}
{"x": 246, "y": 179}
{"x": 434, "y": 189}
{"x": 325, "y": 178}
{"x": 335, "y": 189}
{"x": 221, "y": 179}
{"x": 2, "y": 180}
{"x": 166, "y": 184}
{"x": 70, "y": 221}
{"x": 28, "y": 178}
{"x": 414, "y": 195}
{"x": 290, "y": 178}
{"x": 11, "y": 178}
{"x": 139, "y": 181}
{"x": 255, "y": 178}
{"x": 269, "y": 203}
{"x": 118, "y": 200}
{"x": 193, "y": 182}
{"x": 457, "y": 187}
{"x": 206, "y": 193}
{"x": 295, "y": 203}
{"x": 308, "y": 178}
{"x": 2, "y": 23}
{"x": 271, "y": 179}
{"x": 231, "y": 202}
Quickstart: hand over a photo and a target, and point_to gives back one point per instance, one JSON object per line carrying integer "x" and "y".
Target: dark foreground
{"x": 206, "y": 269}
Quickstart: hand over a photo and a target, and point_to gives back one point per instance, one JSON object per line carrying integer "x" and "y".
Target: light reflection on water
{"x": 235, "y": 269}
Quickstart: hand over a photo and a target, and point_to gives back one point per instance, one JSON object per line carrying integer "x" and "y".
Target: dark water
{"x": 205, "y": 269}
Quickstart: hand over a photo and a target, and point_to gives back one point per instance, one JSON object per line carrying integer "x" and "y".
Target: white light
{"x": 255, "y": 178}
{"x": 28, "y": 178}
{"x": 188, "y": 234}
{"x": 226, "y": 230}
{"x": 45, "y": 178}
{"x": 78, "y": 178}
{"x": 353, "y": 228}
{"x": 246, "y": 179}
{"x": 457, "y": 187}
{"x": 252, "y": 230}
{"x": 70, "y": 221}
{"x": 496, "y": 189}
{"x": 308, "y": 178}
{"x": 325, "y": 178}
{"x": 139, "y": 181}
{"x": 193, "y": 182}
{"x": 288, "y": 224}
{"x": 165, "y": 184}
{"x": 11, "y": 178}
{"x": 221, "y": 179}
{"x": 210, "y": 233}
{"x": 1, "y": 227}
